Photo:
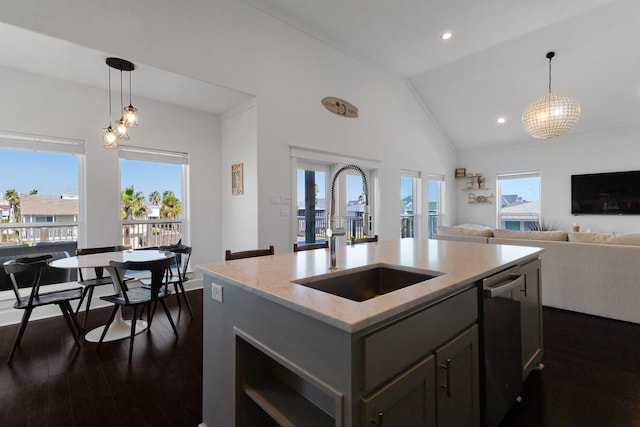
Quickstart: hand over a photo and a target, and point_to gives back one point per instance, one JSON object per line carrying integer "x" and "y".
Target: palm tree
{"x": 171, "y": 205}
{"x": 13, "y": 197}
{"x": 132, "y": 205}
{"x": 154, "y": 198}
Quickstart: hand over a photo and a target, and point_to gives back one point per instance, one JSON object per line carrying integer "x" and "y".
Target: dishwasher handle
{"x": 514, "y": 281}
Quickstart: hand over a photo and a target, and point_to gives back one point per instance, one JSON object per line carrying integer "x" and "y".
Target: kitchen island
{"x": 280, "y": 352}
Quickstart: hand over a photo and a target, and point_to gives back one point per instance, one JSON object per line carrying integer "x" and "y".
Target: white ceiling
{"x": 493, "y": 66}
{"x": 57, "y": 58}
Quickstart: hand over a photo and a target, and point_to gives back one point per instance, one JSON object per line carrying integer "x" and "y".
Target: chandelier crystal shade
{"x": 551, "y": 115}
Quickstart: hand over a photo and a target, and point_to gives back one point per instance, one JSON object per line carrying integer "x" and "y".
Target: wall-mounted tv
{"x": 613, "y": 193}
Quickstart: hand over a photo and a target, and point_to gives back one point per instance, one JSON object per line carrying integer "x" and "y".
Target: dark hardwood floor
{"x": 52, "y": 383}
{"x": 591, "y": 375}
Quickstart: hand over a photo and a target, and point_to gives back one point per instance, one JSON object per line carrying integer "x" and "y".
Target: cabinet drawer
{"x": 397, "y": 346}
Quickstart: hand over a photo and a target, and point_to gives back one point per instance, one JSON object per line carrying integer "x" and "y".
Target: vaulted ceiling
{"x": 493, "y": 66}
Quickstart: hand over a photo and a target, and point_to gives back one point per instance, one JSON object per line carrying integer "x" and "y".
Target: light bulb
{"x": 110, "y": 138}
{"x": 131, "y": 116}
{"x": 121, "y": 128}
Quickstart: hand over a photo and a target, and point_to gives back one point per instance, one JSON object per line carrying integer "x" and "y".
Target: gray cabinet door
{"x": 458, "y": 388}
{"x": 408, "y": 400}
{"x": 531, "y": 317}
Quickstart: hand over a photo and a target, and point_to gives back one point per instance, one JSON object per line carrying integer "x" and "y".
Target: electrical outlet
{"x": 216, "y": 292}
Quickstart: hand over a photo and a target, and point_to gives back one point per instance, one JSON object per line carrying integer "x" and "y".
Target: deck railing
{"x": 148, "y": 233}
{"x": 137, "y": 233}
{"x": 352, "y": 224}
{"x": 37, "y": 232}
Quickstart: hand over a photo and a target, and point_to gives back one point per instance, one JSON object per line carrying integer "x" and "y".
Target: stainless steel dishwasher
{"x": 501, "y": 347}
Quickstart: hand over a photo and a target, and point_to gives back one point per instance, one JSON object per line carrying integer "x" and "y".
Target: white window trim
{"x": 504, "y": 176}
{"x": 163, "y": 156}
{"x": 305, "y": 155}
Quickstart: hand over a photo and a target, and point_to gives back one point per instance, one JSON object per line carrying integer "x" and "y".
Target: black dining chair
{"x": 229, "y": 256}
{"x": 177, "y": 273}
{"x": 28, "y": 270}
{"x": 100, "y": 279}
{"x": 140, "y": 297}
{"x": 310, "y": 246}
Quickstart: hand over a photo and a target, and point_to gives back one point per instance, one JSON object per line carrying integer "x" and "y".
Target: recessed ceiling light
{"x": 501, "y": 120}
{"x": 447, "y": 35}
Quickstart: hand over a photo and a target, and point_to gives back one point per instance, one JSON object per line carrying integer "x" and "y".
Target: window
{"x": 436, "y": 202}
{"x": 153, "y": 201}
{"x": 313, "y": 172}
{"x": 311, "y": 203}
{"x": 409, "y": 202}
{"x": 519, "y": 201}
{"x": 39, "y": 184}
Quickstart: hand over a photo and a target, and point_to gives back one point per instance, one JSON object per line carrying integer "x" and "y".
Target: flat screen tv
{"x": 613, "y": 193}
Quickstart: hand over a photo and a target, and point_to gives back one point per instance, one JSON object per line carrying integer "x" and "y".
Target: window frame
{"x": 153, "y": 155}
{"x": 416, "y": 178}
{"x": 500, "y": 178}
{"x": 51, "y": 144}
{"x": 439, "y": 216}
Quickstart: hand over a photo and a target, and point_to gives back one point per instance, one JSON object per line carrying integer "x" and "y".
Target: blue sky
{"x": 53, "y": 174}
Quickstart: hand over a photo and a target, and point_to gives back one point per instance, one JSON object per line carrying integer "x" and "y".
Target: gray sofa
{"x": 589, "y": 273}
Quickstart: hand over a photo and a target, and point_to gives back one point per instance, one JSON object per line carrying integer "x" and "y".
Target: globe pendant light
{"x": 553, "y": 114}
{"x": 109, "y": 135}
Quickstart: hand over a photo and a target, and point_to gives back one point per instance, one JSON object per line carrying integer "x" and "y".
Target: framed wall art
{"x": 237, "y": 179}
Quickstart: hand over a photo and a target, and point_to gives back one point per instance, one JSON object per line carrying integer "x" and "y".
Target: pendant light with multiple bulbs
{"x": 551, "y": 115}
{"x": 129, "y": 116}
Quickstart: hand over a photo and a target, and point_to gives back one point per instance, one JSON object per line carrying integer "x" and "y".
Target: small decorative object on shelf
{"x": 472, "y": 198}
{"x": 461, "y": 172}
{"x": 481, "y": 180}
{"x": 491, "y": 198}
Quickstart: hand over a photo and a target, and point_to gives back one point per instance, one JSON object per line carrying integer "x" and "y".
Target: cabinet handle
{"x": 378, "y": 420}
{"x": 447, "y": 367}
{"x": 524, "y": 287}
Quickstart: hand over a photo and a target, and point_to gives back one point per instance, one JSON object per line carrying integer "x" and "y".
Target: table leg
{"x": 118, "y": 330}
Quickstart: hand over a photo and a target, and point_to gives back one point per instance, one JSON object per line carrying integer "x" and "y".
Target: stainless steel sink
{"x": 366, "y": 284}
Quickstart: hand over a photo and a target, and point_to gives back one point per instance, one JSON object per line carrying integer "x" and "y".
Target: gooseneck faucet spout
{"x": 332, "y": 231}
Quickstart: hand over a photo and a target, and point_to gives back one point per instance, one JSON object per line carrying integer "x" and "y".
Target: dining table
{"x": 120, "y": 328}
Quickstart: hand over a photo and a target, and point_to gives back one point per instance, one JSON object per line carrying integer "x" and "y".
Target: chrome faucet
{"x": 332, "y": 231}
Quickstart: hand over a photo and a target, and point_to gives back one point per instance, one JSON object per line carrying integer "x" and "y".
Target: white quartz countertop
{"x": 461, "y": 263}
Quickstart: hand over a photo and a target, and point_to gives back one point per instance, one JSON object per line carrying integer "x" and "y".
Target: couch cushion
{"x": 606, "y": 238}
{"x": 464, "y": 231}
{"x": 561, "y": 236}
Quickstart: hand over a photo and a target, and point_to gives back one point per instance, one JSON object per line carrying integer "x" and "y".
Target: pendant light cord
{"x": 109, "y": 68}
{"x": 550, "y": 55}
{"x": 549, "y": 75}
{"x": 129, "y": 87}
{"x": 121, "y": 104}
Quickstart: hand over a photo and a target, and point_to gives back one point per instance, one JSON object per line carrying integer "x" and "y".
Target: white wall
{"x": 557, "y": 160}
{"x": 239, "y": 145}
{"x": 43, "y": 106}
{"x": 234, "y": 45}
